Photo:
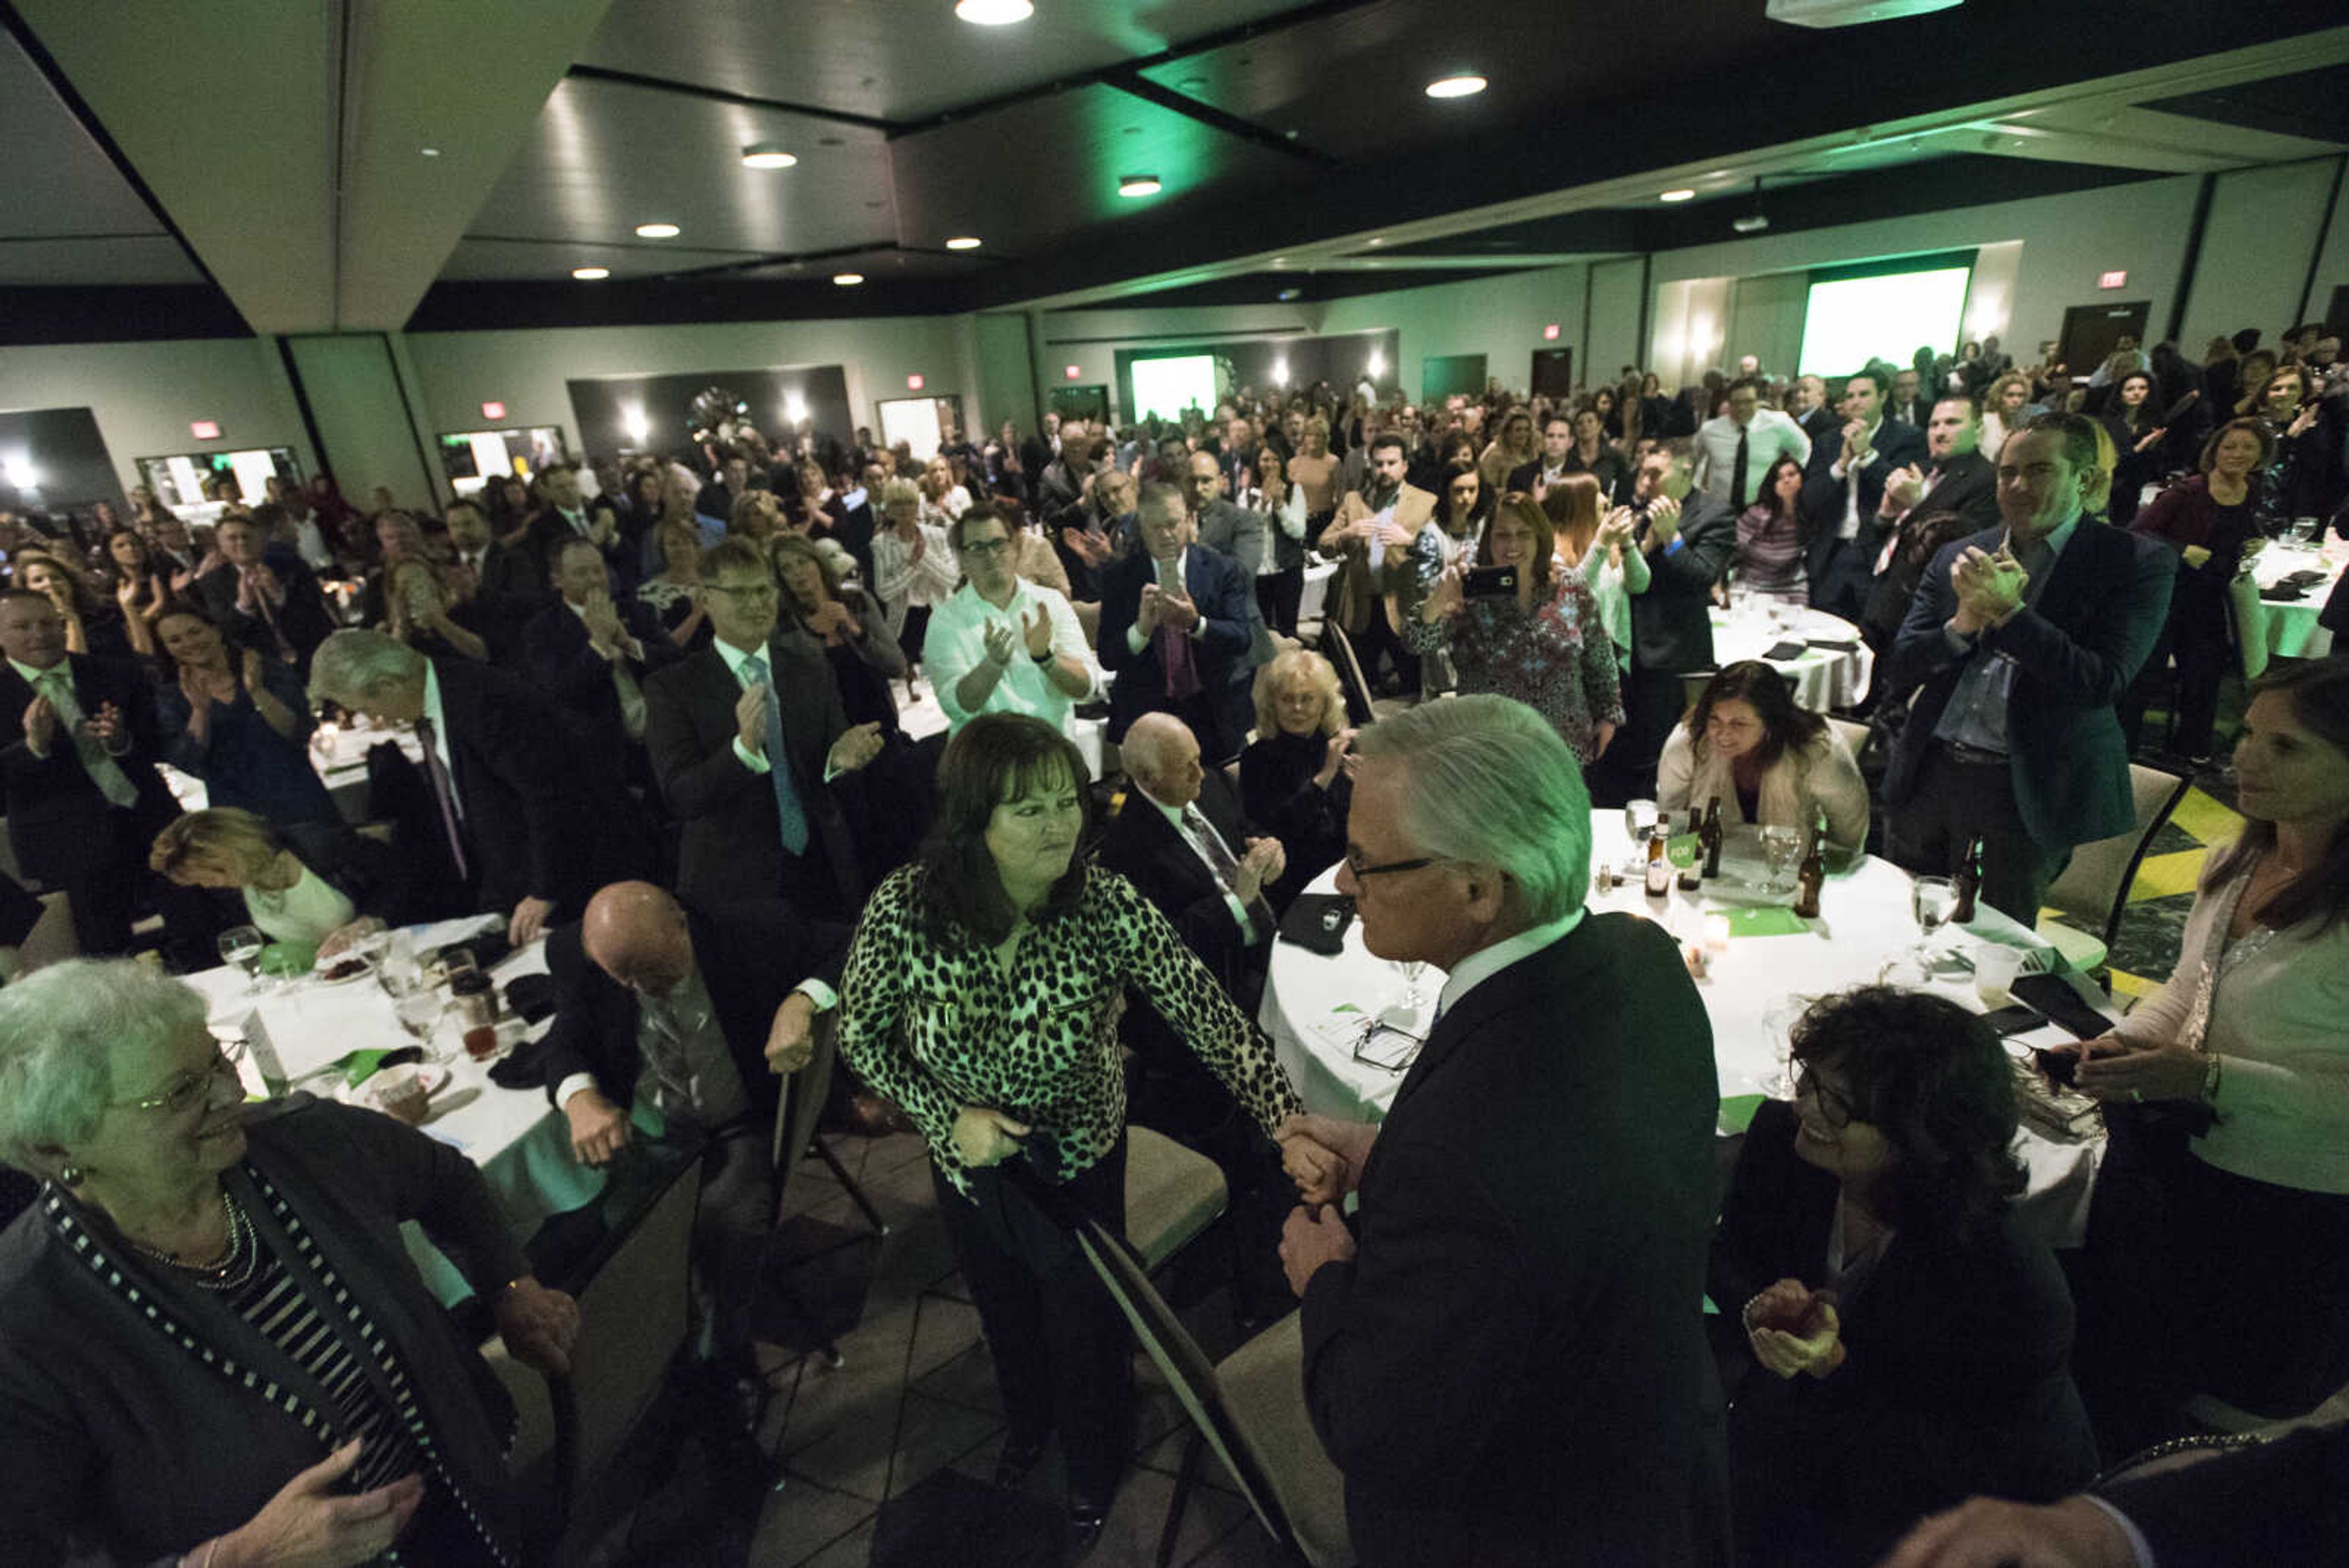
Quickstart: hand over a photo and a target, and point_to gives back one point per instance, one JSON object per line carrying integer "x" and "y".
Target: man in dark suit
{"x": 1843, "y": 489}
{"x": 591, "y": 654}
{"x": 1232, "y": 530}
{"x": 507, "y": 590}
{"x": 77, "y": 752}
{"x": 1954, "y": 476}
{"x": 2020, "y": 644}
{"x": 691, "y": 1014}
{"x": 1506, "y": 1355}
{"x": 1039, "y": 451}
{"x": 562, "y": 514}
{"x": 1177, "y": 628}
{"x": 262, "y": 595}
{"x": 747, "y": 736}
{"x": 1687, "y": 539}
{"x": 528, "y": 820}
{"x": 2280, "y": 1503}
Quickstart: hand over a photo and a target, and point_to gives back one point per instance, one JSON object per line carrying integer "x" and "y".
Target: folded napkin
{"x": 1780, "y": 652}
{"x": 1766, "y": 921}
{"x": 1836, "y": 645}
{"x": 1737, "y": 1113}
{"x": 2280, "y": 595}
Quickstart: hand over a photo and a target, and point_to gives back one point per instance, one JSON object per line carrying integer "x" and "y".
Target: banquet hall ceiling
{"x": 367, "y": 164}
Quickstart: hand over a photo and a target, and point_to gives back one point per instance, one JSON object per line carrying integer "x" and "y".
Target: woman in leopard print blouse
{"x": 982, "y": 995}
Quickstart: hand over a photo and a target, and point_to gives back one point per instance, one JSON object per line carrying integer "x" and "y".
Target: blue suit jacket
{"x": 1225, "y": 594}
{"x": 2077, "y": 649}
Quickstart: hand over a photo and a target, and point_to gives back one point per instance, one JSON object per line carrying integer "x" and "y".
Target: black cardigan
{"x": 116, "y": 1439}
{"x": 1278, "y": 792}
{"x": 1956, "y": 1378}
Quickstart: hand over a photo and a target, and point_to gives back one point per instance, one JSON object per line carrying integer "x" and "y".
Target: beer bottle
{"x": 1689, "y": 872}
{"x": 1968, "y": 883}
{"x": 1813, "y": 874}
{"x": 1710, "y": 837}
{"x": 1659, "y": 869}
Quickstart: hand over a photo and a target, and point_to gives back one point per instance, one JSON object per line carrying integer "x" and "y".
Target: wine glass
{"x": 420, "y": 1013}
{"x": 1778, "y": 1021}
{"x": 1639, "y": 822}
{"x": 1931, "y": 899}
{"x": 400, "y": 972}
{"x": 1782, "y": 849}
{"x": 241, "y": 946}
{"x": 1412, "y": 997}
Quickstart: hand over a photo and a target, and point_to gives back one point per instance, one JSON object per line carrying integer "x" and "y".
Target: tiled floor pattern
{"x": 916, "y": 1396}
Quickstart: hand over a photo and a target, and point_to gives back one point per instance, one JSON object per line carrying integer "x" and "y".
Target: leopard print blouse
{"x": 938, "y": 1029}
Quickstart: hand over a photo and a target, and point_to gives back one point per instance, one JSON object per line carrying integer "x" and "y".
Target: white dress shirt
{"x": 1486, "y": 963}
{"x": 955, "y": 643}
{"x": 1189, "y": 823}
{"x": 1770, "y": 436}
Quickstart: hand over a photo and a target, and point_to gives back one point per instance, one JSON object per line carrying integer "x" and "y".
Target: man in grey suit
{"x": 1232, "y": 530}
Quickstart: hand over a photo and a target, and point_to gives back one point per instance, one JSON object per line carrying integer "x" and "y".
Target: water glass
{"x": 1932, "y": 900}
{"x": 1781, "y": 851}
{"x": 1996, "y": 968}
{"x": 420, "y": 1013}
{"x": 241, "y": 946}
{"x": 1639, "y": 822}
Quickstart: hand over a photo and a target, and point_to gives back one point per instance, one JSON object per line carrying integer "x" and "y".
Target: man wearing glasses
{"x": 745, "y": 738}
{"x": 1506, "y": 1354}
{"x": 1002, "y": 643}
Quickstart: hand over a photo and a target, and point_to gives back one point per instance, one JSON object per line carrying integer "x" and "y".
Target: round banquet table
{"x": 1832, "y": 671}
{"x": 1315, "y": 1008}
{"x": 2292, "y": 632}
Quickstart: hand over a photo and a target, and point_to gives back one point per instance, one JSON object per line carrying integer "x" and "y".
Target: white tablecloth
{"x": 1824, "y": 677}
{"x": 2292, "y": 632}
{"x": 1314, "y": 1007}
{"x": 520, "y": 1141}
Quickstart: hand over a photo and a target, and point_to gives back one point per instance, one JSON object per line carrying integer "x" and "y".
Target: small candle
{"x": 1716, "y": 933}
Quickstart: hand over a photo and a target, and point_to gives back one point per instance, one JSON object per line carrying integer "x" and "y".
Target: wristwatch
{"x": 1044, "y": 658}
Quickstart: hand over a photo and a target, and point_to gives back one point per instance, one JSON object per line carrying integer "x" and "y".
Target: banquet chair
{"x": 1855, "y": 735}
{"x": 634, "y": 1313}
{"x": 1172, "y": 1194}
{"x": 798, "y": 1103}
{"x": 2094, "y": 888}
{"x": 1352, "y": 683}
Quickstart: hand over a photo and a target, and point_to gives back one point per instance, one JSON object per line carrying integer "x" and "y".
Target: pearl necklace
{"x": 236, "y": 1262}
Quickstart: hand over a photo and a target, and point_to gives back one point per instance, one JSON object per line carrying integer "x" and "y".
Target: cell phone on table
{"x": 2016, "y": 1018}
{"x": 1489, "y": 583}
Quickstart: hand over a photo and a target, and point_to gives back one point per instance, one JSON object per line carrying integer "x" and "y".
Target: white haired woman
{"x": 212, "y": 1346}
{"x": 1294, "y": 778}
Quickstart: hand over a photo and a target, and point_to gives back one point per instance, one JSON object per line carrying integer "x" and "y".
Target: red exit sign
{"x": 204, "y": 429}
{"x": 2112, "y": 280}
{"x": 493, "y": 411}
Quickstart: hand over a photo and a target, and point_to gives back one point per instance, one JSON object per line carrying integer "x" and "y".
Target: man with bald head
{"x": 676, "y": 1023}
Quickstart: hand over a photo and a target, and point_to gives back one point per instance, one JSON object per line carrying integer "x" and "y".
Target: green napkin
{"x": 1737, "y": 1113}
{"x": 1766, "y": 921}
{"x": 283, "y": 961}
{"x": 1683, "y": 849}
{"x": 358, "y": 1066}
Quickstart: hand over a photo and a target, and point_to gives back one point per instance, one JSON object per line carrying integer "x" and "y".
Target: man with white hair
{"x": 1506, "y": 1355}
{"x": 526, "y": 820}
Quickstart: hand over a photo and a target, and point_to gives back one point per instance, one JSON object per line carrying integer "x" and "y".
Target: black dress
{"x": 1278, "y": 794}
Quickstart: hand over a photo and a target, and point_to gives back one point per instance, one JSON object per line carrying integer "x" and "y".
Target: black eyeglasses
{"x": 1355, "y": 868}
{"x": 985, "y": 547}
{"x": 1833, "y": 1109}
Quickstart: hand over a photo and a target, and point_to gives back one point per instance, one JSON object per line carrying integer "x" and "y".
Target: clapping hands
{"x": 1795, "y": 1329}
{"x": 1989, "y": 588}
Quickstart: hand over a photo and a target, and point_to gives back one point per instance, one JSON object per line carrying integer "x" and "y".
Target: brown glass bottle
{"x": 1813, "y": 874}
{"x": 1967, "y": 883}
{"x": 1660, "y": 868}
{"x": 1709, "y": 837}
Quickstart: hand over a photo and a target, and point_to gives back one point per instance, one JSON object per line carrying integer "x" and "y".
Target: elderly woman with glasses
{"x": 213, "y": 1347}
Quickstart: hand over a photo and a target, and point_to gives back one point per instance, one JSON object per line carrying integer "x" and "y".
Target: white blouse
{"x": 2280, "y": 1019}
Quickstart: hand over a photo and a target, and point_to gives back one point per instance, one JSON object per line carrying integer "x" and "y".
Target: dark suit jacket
{"x": 1957, "y": 1379}
{"x": 1822, "y": 499}
{"x": 1969, "y": 487}
{"x": 61, "y": 828}
{"x": 1146, "y": 849}
{"x": 303, "y": 618}
{"x": 556, "y": 653}
{"x": 1671, "y": 623}
{"x": 2281, "y": 1504}
{"x": 2078, "y": 649}
{"x": 549, "y": 528}
{"x": 542, "y": 817}
{"x": 750, "y": 957}
{"x": 733, "y": 849}
{"x": 1513, "y": 1368}
{"x": 1225, "y": 594}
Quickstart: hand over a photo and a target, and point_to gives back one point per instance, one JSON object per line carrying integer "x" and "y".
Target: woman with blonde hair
{"x": 670, "y": 592}
{"x": 1296, "y": 775}
{"x": 301, "y": 882}
{"x": 2006, "y": 407}
{"x": 913, "y": 567}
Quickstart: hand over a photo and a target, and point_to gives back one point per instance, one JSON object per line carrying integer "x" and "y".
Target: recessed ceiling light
{"x": 655, "y": 231}
{"x": 1682, "y": 194}
{"x": 963, "y": 243}
{"x": 995, "y": 12}
{"x": 1378, "y": 239}
{"x": 429, "y": 151}
{"x": 1139, "y": 185}
{"x": 767, "y": 155}
{"x": 590, "y": 274}
{"x": 848, "y": 279}
{"x": 1456, "y": 86}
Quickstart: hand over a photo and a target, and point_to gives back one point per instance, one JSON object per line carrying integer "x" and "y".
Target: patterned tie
{"x": 789, "y": 817}
{"x": 57, "y": 684}
{"x": 1175, "y": 650}
{"x": 444, "y": 797}
{"x": 1220, "y": 858}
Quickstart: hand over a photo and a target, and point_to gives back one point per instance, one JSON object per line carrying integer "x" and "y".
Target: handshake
{"x": 1324, "y": 1157}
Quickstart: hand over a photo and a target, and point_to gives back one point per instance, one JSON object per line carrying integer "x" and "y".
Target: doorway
{"x": 1553, "y": 372}
{"x": 1089, "y": 403}
{"x": 2091, "y": 333}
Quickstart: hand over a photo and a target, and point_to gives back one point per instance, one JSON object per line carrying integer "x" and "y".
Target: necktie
{"x": 1174, "y": 650}
{"x": 1220, "y": 858}
{"x": 443, "y": 796}
{"x": 1737, "y": 474}
{"x": 791, "y": 818}
{"x": 56, "y": 685}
